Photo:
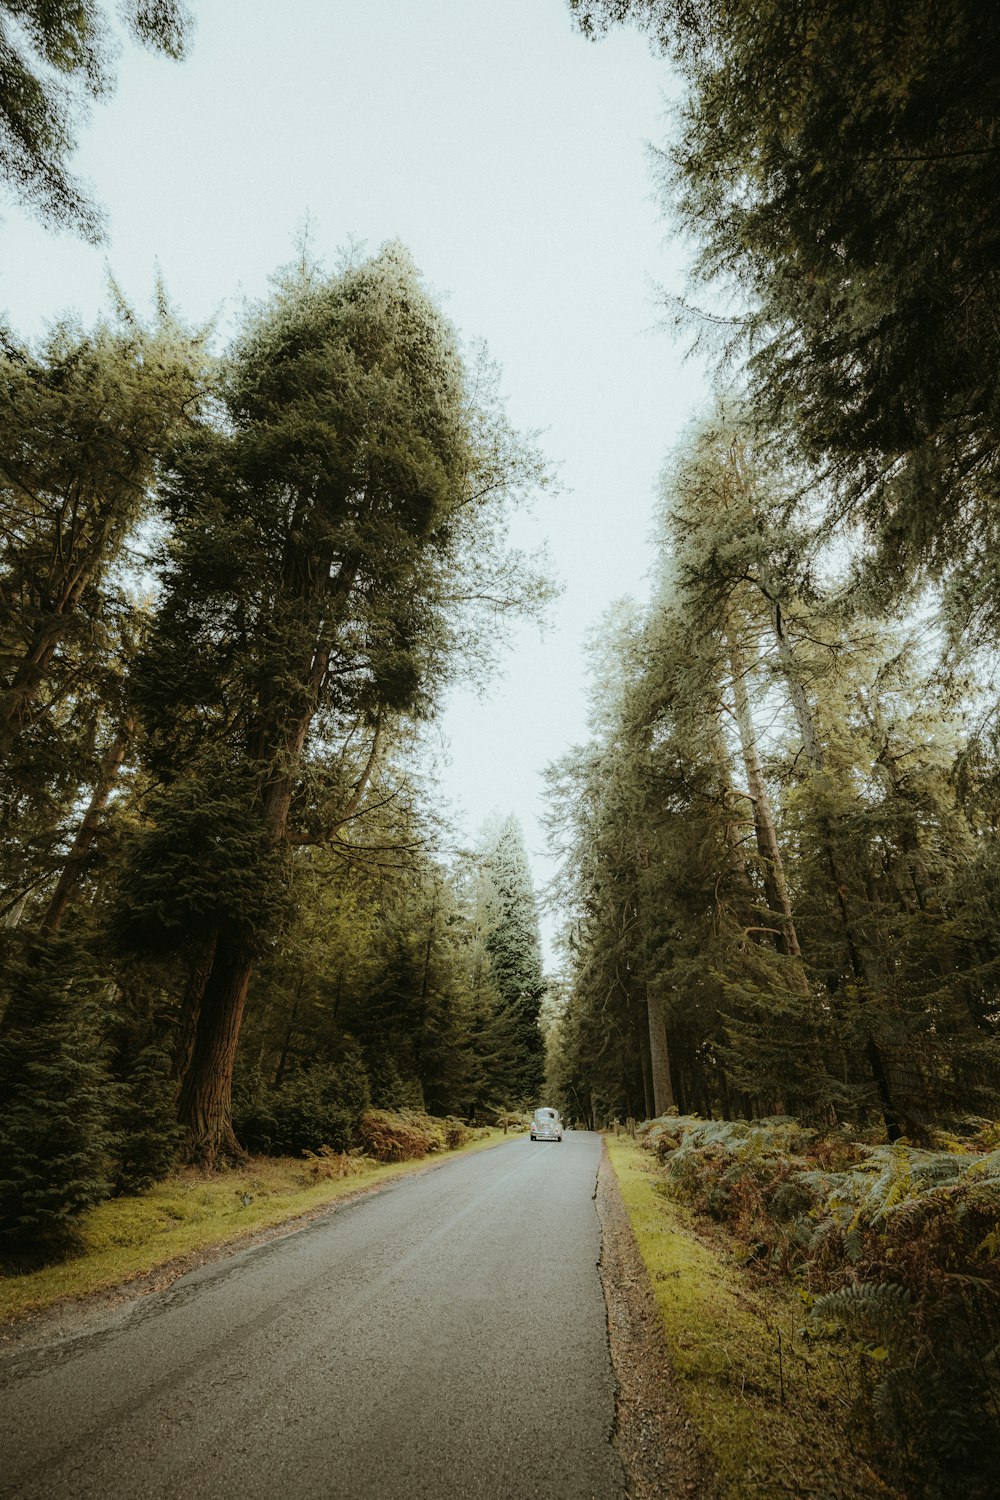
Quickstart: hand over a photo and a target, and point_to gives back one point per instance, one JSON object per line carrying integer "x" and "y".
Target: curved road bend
{"x": 444, "y": 1338}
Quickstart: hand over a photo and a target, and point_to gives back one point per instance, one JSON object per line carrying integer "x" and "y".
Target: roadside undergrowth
{"x": 771, "y": 1409}
{"x": 195, "y": 1211}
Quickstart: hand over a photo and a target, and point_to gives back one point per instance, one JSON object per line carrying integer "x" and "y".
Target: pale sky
{"x": 509, "y": 155}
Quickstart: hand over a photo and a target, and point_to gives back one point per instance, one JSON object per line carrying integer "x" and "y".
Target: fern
{"x": 873, "y": 1309}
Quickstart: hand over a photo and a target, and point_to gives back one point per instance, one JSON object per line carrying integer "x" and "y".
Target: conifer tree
{"x": 87, "y": 421}
{"x": 834, "y": 165}
{"x": 329, "y": 539}
{"x": 56, "y": 1104}
{"x": 798, "y": 908}
{"x": 55, "y": 58}
{"x": 513, "y": 949}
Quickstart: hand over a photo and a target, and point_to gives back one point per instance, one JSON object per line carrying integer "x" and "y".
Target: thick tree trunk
{"x": 773, "y": 869}
{"x": 275, "y": 742}
{"x": 649, "y": 1101}
{"x": 659, "y": 1055}
{"x": 194, "y": 991}
{"x": 205, "y": 1104}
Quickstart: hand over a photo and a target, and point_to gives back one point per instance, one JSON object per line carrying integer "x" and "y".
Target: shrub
{"x": 901, "y": 1251}
{"x": 400, "y": 1135}
{"x": 389, "y": 1089}
{"x": 327, "y": 1164}
{"x": 55, "y": 1099}
{"x": 456, "y": 1133}
{"x": 145, "y": 1121}
{"x": 314, "y": 1107}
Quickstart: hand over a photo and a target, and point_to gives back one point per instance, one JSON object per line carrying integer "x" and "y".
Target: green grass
{"x": 193, "y": 1211}
{"x": 772, "y": 1412}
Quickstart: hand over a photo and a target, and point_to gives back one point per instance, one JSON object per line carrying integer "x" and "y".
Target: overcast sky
{"x": 510, "y": 156}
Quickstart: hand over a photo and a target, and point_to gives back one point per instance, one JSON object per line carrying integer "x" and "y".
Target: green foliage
{"x": 56, "y": 1104}
{"x": 402, "y": 1135}
{"x": 312, "y": 1107}
{"x": 335, "y": 536}
{"x": 513, "y": 951}
{"x": 201, "y": 858}
{"x": 896, "y": 1251}
{"x": 147, "y": 1136}
{"x": 833, "y": 165}
{"x": 766, "y": 837}
{"x": 55, "y": 57}
{"x": 85, "y": 421}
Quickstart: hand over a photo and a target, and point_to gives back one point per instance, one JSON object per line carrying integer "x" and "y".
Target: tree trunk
{"x": 772, "y": 865}
{"x": 87, "y": 832}
{"x": 286, "y": 1045}
{"x": 659, "y": 1056}
{"x": 863, "y": 967}
{"x": 190, "y": 1009}
{"x": 205, "y": 1105}
{"x": 649, "y": 1101}
{"x": 276, "y": 738}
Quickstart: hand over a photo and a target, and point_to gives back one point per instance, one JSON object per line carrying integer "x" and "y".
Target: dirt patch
{"x": 658, "y": 1447}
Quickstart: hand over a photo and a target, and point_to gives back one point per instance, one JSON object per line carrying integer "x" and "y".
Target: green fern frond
{"x": 872, "y": 1309}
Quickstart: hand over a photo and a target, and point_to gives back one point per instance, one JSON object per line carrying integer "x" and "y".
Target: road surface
{"x": 444, "y": 1338}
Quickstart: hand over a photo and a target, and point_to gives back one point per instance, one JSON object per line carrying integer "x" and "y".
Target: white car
{"x": 546, "y": 1125}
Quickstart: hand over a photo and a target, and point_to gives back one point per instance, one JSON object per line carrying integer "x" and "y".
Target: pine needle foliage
{"x": 56, "y": 58}
{"x": 57, "y": 1104}
{"x": 835, "y": 166}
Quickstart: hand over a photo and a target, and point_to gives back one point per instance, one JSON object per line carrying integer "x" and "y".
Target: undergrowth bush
{"x": 314, "y": 1107}
{"x": 400, "y": 1135}
{"x": 327, "y": 1165}
{"x": 898, "y": 1253}
{"x": 457, "y": 1133}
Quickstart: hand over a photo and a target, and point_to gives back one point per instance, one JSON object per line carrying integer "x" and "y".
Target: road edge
{"x": 655, "y": 1440}
{"x": 66, "y": 1318}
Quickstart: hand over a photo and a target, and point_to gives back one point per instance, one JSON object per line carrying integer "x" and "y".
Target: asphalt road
{"x": 445, "y": 1337}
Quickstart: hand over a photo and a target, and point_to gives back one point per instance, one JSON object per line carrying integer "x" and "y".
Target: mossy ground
{"x": 773, "y": 1412}
{"x": 126, "y": 1238}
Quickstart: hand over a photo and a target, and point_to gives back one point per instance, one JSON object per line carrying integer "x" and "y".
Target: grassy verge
{"x": 126, "y": 1238}
{"x": 772, "y": 1411}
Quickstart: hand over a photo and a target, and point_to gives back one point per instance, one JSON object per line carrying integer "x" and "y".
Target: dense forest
{"x": 780, "y": 844}
{"x": 233, "y": 589}
{"x": 240, "y": 573}
{"x": 237, "y": 582}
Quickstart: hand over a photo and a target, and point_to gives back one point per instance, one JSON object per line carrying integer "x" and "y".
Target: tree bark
{"x": 772, "y": 865}
{"x": 190, "y": 1010}
{"x": 649, "y": 1101}
{"x": 205, "y": 1107}
{"x": 275, "y": 742}
{"x": 659, "y": 1055}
